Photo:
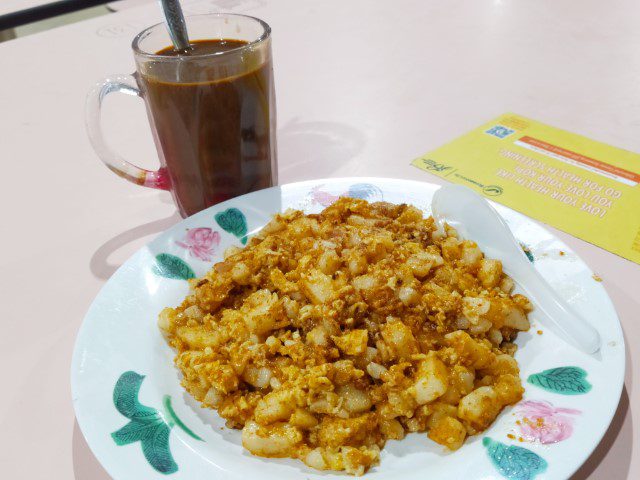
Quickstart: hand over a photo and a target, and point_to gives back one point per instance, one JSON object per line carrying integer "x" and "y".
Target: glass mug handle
{"x": 120, "y": 84}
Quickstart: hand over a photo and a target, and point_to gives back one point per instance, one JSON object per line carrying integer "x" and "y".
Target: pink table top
{"x": 363, "y": 87}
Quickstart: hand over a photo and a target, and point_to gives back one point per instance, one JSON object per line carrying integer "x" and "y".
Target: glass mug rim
{"x": 266, "y": 33}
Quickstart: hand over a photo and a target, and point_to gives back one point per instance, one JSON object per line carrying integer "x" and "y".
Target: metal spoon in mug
{"x": 474, "y": 218}
{"x": 176, "y": 25}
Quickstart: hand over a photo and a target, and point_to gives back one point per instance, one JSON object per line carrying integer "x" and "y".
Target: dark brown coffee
{"x": 214, "y": 135}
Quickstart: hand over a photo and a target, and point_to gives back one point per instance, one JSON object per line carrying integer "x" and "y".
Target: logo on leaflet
{"x": 492, "y": 190}
{"x": 434, "y": 166}
{"x": 499, "y": 131}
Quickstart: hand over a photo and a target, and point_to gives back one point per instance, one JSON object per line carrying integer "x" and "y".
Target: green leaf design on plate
{"x": 146, "y": 424}
{"x": 233, "y": 221}
{"x": 174, "y": 420}
{"x": 562, "y": 380}
{"x": 170, "y": 266}
{"x": 514, "y": 463}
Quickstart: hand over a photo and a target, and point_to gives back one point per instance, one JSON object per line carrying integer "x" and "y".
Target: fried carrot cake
{"x": 329, "y": 334}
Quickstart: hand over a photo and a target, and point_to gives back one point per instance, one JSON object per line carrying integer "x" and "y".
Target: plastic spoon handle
{"x": 570, "y": 325}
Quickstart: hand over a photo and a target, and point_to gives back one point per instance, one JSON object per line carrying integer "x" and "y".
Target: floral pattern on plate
{"x": 146, "y": 425}
{"x": 364, "y": 191}
{"x": 170, "y": 266}
{"x": 201, "y": 243}
{"x": 540, "y": 421}
{"x": 234, "y": 222}
{"x": 514, "y": 463}
{"x": 563, "y": 380}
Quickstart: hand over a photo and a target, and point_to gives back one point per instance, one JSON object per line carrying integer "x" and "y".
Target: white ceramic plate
{"x": 140, "y": 423}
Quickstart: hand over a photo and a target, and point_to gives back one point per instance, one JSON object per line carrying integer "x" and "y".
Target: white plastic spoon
{"x": 474, "y": 218}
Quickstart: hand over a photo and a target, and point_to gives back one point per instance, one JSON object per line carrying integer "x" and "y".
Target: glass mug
{"x": 212, "y": 111}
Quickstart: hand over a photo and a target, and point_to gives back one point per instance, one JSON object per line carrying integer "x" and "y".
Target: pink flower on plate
{"x": 323, "y": 198}
{"x": 541, "y": 421}
{"x": 201, "y": 243}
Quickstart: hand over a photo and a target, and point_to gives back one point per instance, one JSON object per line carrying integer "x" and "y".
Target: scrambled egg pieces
{"x": 330, "y": 334}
